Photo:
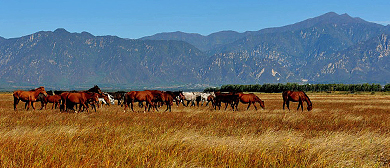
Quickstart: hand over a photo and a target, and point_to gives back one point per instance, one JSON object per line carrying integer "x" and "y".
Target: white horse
{"x": 103, "y": 101}
{"x": 189, "y": 97}
{"x": 111, "y": 98}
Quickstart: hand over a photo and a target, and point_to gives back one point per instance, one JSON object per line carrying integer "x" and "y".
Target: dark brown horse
{"x": 118, "y": 96}
{"x": 251, "y": 99}
{"x": 296, "y": 96}
{"x": 55, "y": 99}
{"x": 227, "y": 98}
{"x": 95, "y": 89}
{"x": 28, "y": 96}
{"x": 81, "y": 98}
{"x": 138, "y": 96}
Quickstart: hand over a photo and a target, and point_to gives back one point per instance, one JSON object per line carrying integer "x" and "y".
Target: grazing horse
{"x": 227, "y": 98}
{"x": 28, "y": 96}
{"x": 81, "y": 98}
{"x": 296, "y": 96}
{"x": 55, "y": 99}
{"x": 251, "y": 99}
{"x": 139, "y": 96}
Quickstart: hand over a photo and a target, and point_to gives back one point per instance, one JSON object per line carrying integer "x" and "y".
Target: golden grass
{"x": 341, "y": 131}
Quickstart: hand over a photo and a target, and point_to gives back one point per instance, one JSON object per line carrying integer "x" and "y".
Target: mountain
{"x": 61, "y": 58}
{"x": 204, "y": 43}
{"x": 330, "y": 48}
{"x": 365, "y": 61}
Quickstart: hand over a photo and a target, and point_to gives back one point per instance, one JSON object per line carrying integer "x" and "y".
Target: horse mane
{"x": 39, "y": 88}
{"x": 307, "y": 97}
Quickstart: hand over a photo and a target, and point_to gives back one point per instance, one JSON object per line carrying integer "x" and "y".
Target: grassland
{"x": 340, "y": 131}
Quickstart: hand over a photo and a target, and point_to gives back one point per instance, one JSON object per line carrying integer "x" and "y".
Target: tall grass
{"x": 341, "y": 131}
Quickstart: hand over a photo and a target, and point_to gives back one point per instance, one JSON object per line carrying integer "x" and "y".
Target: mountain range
{"x": 330, "y": 48}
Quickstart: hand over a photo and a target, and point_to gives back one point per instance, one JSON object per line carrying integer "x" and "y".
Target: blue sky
{"x": 139, "y": 18}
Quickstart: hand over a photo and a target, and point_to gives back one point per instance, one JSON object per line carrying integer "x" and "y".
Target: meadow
{"x": 342, "y": 130}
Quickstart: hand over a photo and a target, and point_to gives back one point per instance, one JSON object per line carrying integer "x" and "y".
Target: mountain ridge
{"x": 302, "y": 52}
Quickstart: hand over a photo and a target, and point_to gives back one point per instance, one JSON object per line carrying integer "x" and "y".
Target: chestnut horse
{"x": 55, "y": 99}
{"x": 28, "y": 96}
{"x": 251, "y": 99}
{"x": 296, "y": 96}
{"x": 81, "y": 98}
{"x": 138, "y": 96}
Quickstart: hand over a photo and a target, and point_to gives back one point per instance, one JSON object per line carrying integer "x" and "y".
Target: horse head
{"x": 96, "y": 89}
{"x": 41, "y": 90}
{"x": 262, "y": 104}
{"x": 310, "y": 107}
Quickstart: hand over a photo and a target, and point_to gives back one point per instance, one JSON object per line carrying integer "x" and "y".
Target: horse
{"x": 167, "y": 99}
{"x": 228, "y": 98}
{"x": 177, "y": 96}
{"x": 190, "y": 97}
{"x": 28, "y": 96}
{"x": 205, "y": 96}
{"x": 118, "y": 96}
{"x": 251, "y": 99}
{"x": 210, "y": 98}
{"x": 81, "y": 98}
{"x": 95, "y": 89}
{"x": 40, "y": 98}
{"x": 55, "y": 99}
{"x": 296, "y": 96}
{"x": 139, "y": 96}
{"x": 104, "y": 99}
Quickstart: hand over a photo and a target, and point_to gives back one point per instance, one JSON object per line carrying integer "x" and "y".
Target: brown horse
{"x": 210, "y": 98}
{"x": 81, "y": 98}
{"x": 28, "y": 96}
{"x": 251, "y": 99}
{"x": 138, "y": 96}
{"x": 296, "y": 96}
{"x": 55, "y": 99}
{"x": 227, "y": 98}
{"x": 167, "y": 99}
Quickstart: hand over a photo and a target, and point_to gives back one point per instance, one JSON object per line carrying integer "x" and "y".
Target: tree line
{"x": 277, "y": 88}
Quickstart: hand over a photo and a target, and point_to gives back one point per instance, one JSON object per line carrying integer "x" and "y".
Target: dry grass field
{"x": 340, "y": 131}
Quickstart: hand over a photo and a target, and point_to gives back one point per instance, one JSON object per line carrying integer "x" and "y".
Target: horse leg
{"x": 131, "y": 105}
{"x": 254, "y": 104}
{"x": 299, "y": 104}
{"x": 16, "y": 101}
{"x": 85, "y": 106}
{"x": 248, "y": 106}
{"x": 288, "y": 104}
{"x": 42, "y": 105}
{"x": 226, "y": 104}
{"x": 28, "y": 105}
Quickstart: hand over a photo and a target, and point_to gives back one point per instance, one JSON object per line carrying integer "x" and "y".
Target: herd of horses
{"x": 67, "y": 100}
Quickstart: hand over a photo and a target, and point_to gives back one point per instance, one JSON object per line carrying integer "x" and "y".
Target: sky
{"x": 139, "y": 18}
